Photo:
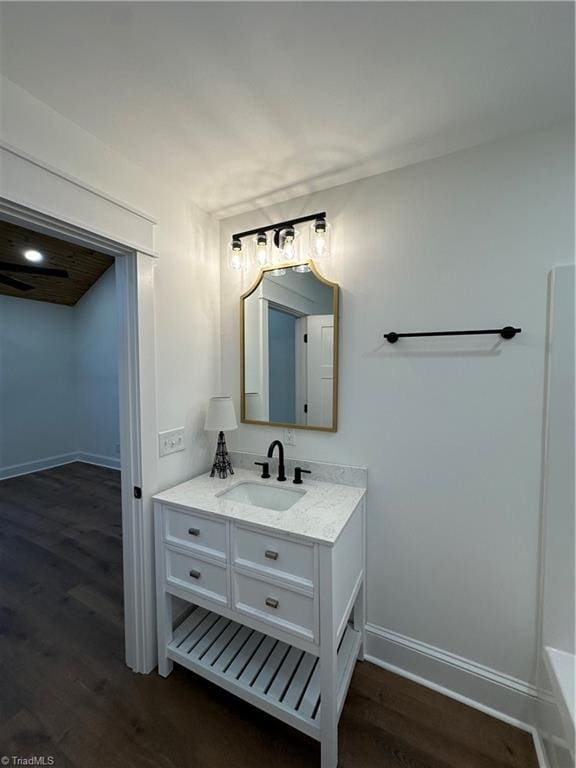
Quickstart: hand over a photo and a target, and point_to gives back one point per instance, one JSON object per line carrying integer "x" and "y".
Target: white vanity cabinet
{"x": 275, "y": 617}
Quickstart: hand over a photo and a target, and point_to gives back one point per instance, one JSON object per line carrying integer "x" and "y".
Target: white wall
{"x": 449, "y": 431}
{"x": 37, "y": 383}
{"x": 96, "y": 360}
{"x": 186, "y": 279}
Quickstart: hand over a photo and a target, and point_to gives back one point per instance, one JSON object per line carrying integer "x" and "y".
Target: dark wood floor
{"x": 65, "y": 691}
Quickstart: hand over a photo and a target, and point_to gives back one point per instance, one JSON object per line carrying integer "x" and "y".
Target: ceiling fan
{"x": 11, "y": 282}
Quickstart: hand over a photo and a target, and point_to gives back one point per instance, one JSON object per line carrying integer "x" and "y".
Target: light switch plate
{"x": 289, "y": 437}
{"x": 171, "y": 441}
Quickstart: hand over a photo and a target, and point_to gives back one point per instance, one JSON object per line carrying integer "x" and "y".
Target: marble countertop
{"x": 320, "y": 515}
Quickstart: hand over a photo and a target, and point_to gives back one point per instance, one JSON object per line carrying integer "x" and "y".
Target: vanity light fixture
{"x": 261, "y": 255}
{"x": 236, "y": 259}
{"x": 284, "y": 251}
{"x": 277, "y": 257}
{"x": 282, "y": 247}
{"x": 288, "y": 244}
{"x": 320, "y": 239}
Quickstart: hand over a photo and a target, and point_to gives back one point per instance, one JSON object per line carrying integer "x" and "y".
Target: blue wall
{"x": 282, "y": 366}
{"x": 59, "y": 380}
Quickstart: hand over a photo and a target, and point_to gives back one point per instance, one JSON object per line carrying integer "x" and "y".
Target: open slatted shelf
{"x": 268, "y": 673}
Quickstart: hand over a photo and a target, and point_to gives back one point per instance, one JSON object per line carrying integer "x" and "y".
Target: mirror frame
{"x": 335, "y": 311}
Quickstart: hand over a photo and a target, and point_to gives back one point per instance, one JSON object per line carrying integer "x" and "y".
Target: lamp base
{"x": 222, "y": 463}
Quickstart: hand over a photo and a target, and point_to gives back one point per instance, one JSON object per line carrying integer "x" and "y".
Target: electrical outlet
{"x": 171, "y": 441}
{"x": 289, "y": 437}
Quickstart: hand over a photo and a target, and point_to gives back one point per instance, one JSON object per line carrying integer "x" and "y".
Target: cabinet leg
{"x": 164, "y": 628}
{"x": 165, "y": 666}
{"x": 328, "y": 667}
{"x": 360, "y": 619}
{"x": 329, "y": 749}
{"x": 328, "y": 713}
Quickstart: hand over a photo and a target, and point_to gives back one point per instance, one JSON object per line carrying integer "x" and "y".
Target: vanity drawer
{"x": 195, "y": 531}
{"x": 285, "y": 609}
{"x": 209, "y": 580}
{"x": 283, "y": 556}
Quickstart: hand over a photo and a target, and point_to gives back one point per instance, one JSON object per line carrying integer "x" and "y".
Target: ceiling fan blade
{"x": 7, "y": 266}
{"x": 12, "y": 283}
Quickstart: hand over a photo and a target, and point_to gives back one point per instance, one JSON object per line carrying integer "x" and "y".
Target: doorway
{"x": 132, "y": 274}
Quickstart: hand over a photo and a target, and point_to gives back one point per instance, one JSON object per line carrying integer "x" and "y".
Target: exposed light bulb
{"x": 235, "y": 255}
{"x": 261, "y": 249}
{"x": 320, "y": 239}
{"x": 288, "y": 245}
{"x": 289, "y": 248}
{"x": 261, "y": 256}
{"x": 320, "y": 244}
{"x": 33, "y": 256}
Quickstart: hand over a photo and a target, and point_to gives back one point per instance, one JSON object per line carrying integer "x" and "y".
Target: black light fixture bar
{"x": 508, "y": 332}
{"x": 279, "y": 225}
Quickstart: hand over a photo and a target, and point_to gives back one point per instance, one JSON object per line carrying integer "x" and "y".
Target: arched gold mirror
{"x": 289, "y": 349}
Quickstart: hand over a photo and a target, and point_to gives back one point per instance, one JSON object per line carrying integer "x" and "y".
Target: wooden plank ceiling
{"x": 83, "y": 265}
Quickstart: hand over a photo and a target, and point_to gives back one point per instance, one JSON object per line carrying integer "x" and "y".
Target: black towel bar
{"x": 508, "y": 332}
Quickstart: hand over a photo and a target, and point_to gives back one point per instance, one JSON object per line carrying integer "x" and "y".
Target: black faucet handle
{"x": 298, "y": 475}
{"x": 265, "y": 468}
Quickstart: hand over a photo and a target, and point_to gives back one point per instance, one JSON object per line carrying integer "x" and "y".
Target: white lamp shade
{"x": 221, "y": 416}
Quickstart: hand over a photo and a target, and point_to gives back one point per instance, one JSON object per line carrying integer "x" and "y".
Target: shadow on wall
{"x": 446, "y": 348}
{"x": 310, "y": 171}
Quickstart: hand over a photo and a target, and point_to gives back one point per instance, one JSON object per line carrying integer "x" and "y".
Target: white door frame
{"x": 137, "y": 400}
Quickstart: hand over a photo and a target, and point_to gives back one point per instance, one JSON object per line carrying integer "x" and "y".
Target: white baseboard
{"x": 100, "y": 461}
{"x": 28, "y": 467}
{"x": 471, "y": 683}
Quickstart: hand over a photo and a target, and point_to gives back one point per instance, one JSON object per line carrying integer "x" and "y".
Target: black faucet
{"x": 281, "y": 469}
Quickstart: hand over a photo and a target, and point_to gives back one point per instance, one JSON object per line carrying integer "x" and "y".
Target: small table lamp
{"x": 221, "y": 417}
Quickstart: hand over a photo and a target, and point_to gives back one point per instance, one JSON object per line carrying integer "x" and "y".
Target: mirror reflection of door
{"x": 289, "y": 350}
{"x": 320, "y": 369}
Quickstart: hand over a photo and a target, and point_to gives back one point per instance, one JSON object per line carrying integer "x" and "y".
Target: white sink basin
{"x": 266, "y": 496}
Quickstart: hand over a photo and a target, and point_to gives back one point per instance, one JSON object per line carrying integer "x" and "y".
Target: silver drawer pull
{"x": 195, "y": 574}
{"x": 194, "y": 531}
{"x": 271, "y": 603}
{"x": 271, "y": 555}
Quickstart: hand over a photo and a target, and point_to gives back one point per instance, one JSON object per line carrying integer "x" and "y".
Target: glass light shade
{"x": 301, "y": 268}
{"x": 236, "y": 256}
{"x": 289, "y": 245}
{"x": 320, "y": 239}
{"x": 261, "y": 254}
{"x": 221, "y": 416}
{"x": 277, "y": 272}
